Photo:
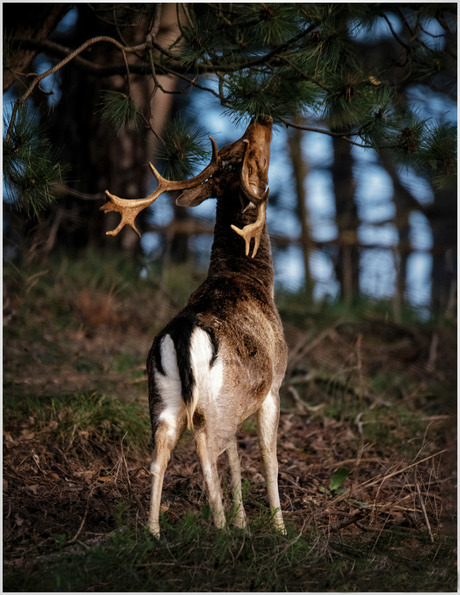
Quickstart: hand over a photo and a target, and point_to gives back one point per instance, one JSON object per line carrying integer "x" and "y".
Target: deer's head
{"x": 249, "y": 156}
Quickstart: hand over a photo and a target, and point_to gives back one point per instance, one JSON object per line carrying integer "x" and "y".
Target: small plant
{"x": 337, "y": 480}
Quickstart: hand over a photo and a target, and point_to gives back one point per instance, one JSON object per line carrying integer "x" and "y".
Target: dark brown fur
{"x": 236, "y": 302}
{"x": 235, "y": 307}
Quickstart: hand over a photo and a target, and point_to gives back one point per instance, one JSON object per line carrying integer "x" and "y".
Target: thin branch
{"x": 413, "y": 34}
{"x": 371, "y": 482}
{"x": 157, "y": 84}
{"x": 395, "y": 35}
{"x": 193, "y": 83}
{"x": 155, "y": 28}
{"x": 306, "y": 76}
{"x": 62, "y": 63}
{"x": 200, "y": 68}
{"x": 151, "y": 128}
{"x": 425, "y": 516}
{"x": 266, "y": 57}
{"x": 406, "y": 24}
{"x": 59, "y": 50}
{"x": 432, "y": 35}
{"x": 345, "y": 137}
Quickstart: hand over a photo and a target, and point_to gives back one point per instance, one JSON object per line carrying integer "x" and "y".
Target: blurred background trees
{"x": 363, "y": 168}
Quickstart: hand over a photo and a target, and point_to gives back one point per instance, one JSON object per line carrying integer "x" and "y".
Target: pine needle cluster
{"x": 185, "y": 147}
{"x": 308, "y": 60}
{"x": 118, "y": 109}
{"x": 31, "y": 167}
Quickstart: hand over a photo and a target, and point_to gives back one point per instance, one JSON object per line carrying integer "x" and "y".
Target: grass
{"x": 77, "y": 443}
{"x": 193, "y": 556}
{"x": 67, "y": 419}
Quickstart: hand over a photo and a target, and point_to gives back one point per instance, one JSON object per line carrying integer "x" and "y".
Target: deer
{"x": 223, "y": 357}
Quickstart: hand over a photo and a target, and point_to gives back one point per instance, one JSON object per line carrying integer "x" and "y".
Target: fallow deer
{"x": 223, "y": 357}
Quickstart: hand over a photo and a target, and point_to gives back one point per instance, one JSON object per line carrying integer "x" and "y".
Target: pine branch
{"x": 118, "y": 109}
{"x": 39, "y": 77}
{"x": 183, "y": 149}
{"x": 31, "y": 169}
{"x": 283, "y": 61}
{"x": 342, "y": 135}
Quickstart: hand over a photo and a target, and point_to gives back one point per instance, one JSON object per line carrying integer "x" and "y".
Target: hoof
{"x": 154, "y": 530}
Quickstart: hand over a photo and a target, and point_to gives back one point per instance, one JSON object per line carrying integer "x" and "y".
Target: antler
{"x": 130, "y": 208}
{"x": 253, "y": 230}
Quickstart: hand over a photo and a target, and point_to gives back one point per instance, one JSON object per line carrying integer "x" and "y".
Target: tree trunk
{"x": 443, "y": 221}
{"x": 98, "y": 157}
{"x": 347, "y": 264}
{"x": 404, "y": 203}
{"x": 299, "y": 167}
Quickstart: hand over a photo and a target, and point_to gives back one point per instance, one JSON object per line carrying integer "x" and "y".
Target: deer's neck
{"x": 228, "y": 249}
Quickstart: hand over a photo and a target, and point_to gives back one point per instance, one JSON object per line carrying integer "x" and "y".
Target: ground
{"x": 366, "y": 448}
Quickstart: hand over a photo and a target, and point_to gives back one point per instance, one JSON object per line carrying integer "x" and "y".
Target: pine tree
{"x": 343, "y": 70}
{"x": 283, "y": 60}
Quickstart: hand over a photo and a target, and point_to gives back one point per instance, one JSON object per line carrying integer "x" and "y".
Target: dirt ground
{"x": 73, "y": 493}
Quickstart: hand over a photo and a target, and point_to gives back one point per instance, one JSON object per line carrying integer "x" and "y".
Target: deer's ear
{"x": 195, "y": 196}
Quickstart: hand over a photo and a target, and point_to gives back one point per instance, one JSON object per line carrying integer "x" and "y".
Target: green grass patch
{"x": 75, "y": 397}
{"x": 68, "y": 419}
{"x": 193, "y": 556}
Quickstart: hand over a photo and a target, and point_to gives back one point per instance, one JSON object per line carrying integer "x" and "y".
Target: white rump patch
{"x": 208, "y": 380}
{"x": 169, "y": 385}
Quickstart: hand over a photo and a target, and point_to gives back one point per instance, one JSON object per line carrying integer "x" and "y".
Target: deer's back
{"x": 244, "y": 320}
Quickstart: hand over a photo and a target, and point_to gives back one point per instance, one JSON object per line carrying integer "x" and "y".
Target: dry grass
{"x": 362, "y": 393}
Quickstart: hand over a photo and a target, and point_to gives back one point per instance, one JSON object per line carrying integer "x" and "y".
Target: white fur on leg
{"x": 209, "y": 466}
{"x": 166, "y": 438}
{"x": 268, "y": 416}
{"x": 170, "y": 422}
{"x": 235, "y": 474}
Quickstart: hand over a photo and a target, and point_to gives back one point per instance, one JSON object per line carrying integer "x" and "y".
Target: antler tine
{"x": 244, "y": 179}
{"x": 254, "y": 230}
{"x": 130, "y": 208}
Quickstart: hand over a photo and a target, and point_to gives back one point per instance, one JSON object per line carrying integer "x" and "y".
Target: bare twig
{"x": 344, "y": 136}
{"x": 88, "y": 43}
{"x": 425, "y": 516}
{"x": 395, "y": 35}
{"x": 82, "y": 524}
{"x": 373, "y": 482}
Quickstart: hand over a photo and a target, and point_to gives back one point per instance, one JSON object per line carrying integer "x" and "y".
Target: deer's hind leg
{"x": 167, "y": 410}
{"x": 167, "y": 434}
{"x": 235, "y": 477}
{"x": 208, "y": 458}
{"x": 267, "y": 420}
